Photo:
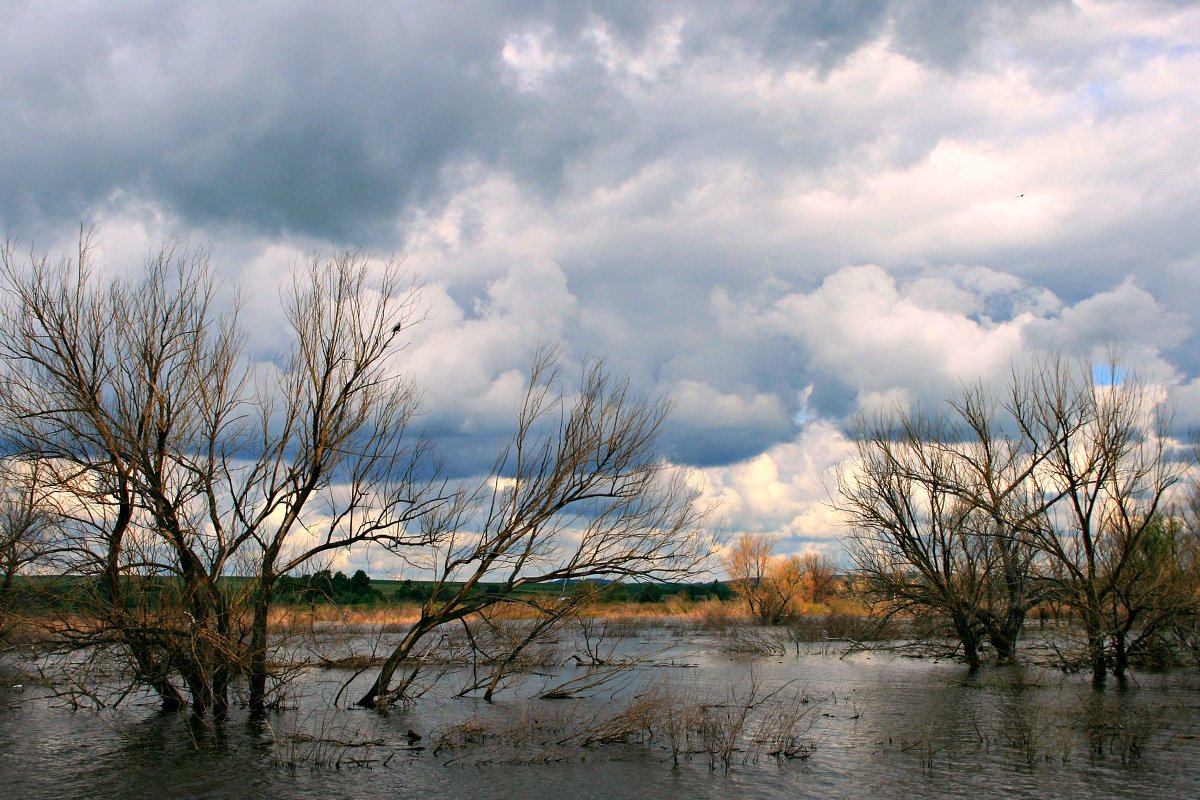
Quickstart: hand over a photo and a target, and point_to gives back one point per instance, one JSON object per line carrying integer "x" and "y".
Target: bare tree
{"x": 1058, "y": 491}
{"x": 945, "y": 509}
{"x": 994, "y": 466}
{"x": 1106, "y": 463}
{"x": 1155, "y": 596}
{"x": 818, "y": 573}
{"x": 579, "y": 492}
{"x": 914, "y": 544}
{"x": 29, "y": 529}
{"x": 339, "y": 464}
{"x": 174, "y": 470}
{"x": 749, "y": 564}
{"x": 123, "y": 394}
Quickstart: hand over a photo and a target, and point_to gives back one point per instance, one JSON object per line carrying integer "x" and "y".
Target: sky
{"x": 777, "y": 214}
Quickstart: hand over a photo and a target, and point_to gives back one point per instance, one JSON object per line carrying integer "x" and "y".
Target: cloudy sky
{"x": 776, "y": 213}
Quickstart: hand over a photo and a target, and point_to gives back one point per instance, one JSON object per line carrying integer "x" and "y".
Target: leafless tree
{"x": 1108, "y": 466}
{"x": 339, "y": 464}
{"x": 749, "y": 564}
{"x": 945, "y": 511}
{"x": 818, "y": 572}
{"x": 123, "y": 393}
{"x": 173, "y": 469}
{"x": 29, "y": 529}
{"x": 1156, "y": 597}
{"x": 993, "y": 469}
{"x": 580, "y": 492}
{"x": 1058, "y": 489}
{"x": 915, "y": 545}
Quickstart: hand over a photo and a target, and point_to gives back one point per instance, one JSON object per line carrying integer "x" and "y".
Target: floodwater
{"x": 870, "y": 724}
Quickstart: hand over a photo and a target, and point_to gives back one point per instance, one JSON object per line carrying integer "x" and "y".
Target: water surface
{"x": 874, "y": 725}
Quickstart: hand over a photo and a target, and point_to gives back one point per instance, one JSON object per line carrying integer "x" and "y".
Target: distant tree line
{"x": 335, "y": 588}
{"x": 326, "y": 587}
{"x": 69, "y": 594}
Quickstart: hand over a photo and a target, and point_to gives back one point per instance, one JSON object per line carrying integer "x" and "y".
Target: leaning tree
{"x": 580, "y": 491}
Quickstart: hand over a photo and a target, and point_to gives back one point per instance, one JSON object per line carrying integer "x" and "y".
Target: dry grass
{"x": 290, "y": 618}
{"x": 709, "y": 614}
{"x": 842, "y": 622}
{"x": 744, "y": 725}
{"x": 296, "y": 618}
{"x": 22, "y": 631}
{"x": 326, "y": 743}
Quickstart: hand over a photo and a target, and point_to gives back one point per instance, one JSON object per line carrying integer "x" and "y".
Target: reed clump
{"x": 743, "y": 725}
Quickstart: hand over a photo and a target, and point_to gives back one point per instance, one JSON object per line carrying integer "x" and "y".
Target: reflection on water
{"x": 879, "y": 726}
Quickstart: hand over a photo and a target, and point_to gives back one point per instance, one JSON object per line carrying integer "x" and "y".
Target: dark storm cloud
{"x": 330, "y": 120}
{"x": 302, "y": 117}
{"x": 274, "y": 116}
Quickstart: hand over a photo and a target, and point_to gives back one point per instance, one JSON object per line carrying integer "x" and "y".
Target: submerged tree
{"x": 1155, "y": 596}
{"x": 123, "y": 393}
{"x": 992, "y": 469}
{"x": 1055, "y": 490}
{"x": 1107, "y": 466}
{"x": 917, "y": 547}
{"x": 171, "y": 469}
{"x": 338, "y": 463}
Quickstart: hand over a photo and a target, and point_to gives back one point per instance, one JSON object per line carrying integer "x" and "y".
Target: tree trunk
{"x": 1120, "y": 656}
{"x": 257, "y": 667}
{"x": 1003, "y": 645}
{"x": 172, "y": 700}
{"x": 968, "y": 637}
{"x": 1005, "y": 635}
{"x": 971, "y": 653}
{"x": 377, "y": 695}
{"x": 1097, "y": 656}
